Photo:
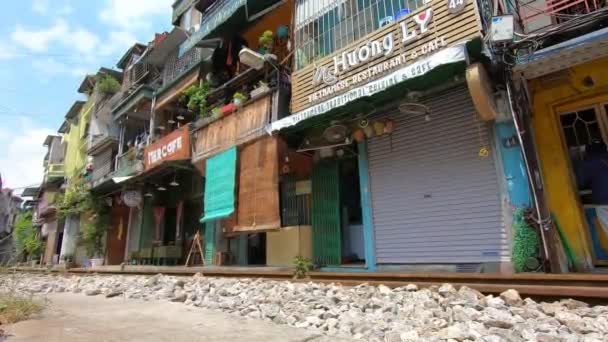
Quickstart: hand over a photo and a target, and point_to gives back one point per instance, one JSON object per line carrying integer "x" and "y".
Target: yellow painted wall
{"x": 76, "y": 154}
{"x": 551, "y": 97}
{"x": 284, "y": 245}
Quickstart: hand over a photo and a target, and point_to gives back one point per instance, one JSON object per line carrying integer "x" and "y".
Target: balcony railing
{"x": 540, "y": 14}
{"x": 53, "y": 172}
{"x": 177, "y": 66}
{"x": 128, "y": 164}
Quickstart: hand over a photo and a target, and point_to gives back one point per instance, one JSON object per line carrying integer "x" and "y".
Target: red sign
{"x": 174, "y": 146}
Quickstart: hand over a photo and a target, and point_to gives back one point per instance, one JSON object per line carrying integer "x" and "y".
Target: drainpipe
{"x": 543, "y": 219}
{"x": 152, "y": 119}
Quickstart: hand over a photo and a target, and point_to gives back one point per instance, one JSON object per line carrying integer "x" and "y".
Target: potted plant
{"x": 195, "y": 98}
{"x": 266, "y": 41}
{"x": 239, "y": 99}
{"x": 260, "y": 89}
{"x": 216, "y": 113}
{"x": 107, "y": 84}
{"x": 94, "y": 230}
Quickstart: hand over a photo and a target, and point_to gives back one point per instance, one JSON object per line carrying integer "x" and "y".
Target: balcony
{"x": 54, "y": 172}
{"x": 541, "y": 14}
{"x": 129, "y": 164}
{"x": 175, "y": 67}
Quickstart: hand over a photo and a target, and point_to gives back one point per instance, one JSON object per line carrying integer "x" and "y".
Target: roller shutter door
{"x": 434, "y": 199}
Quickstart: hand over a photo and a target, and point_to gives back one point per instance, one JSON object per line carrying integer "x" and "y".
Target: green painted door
{"x": 327, "y": 246}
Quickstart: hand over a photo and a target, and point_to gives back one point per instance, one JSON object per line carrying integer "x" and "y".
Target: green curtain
{"x": 220, "y": 186}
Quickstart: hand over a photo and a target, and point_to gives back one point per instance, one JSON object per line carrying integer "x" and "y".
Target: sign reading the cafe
{"x": 402, "y": 47}
{"x": 174, "y": 146}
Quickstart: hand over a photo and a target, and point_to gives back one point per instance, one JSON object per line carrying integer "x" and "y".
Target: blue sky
{"x": 46, "y": 48}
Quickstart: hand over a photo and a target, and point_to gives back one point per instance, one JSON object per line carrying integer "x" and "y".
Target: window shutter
{"x": 258, "y": 201}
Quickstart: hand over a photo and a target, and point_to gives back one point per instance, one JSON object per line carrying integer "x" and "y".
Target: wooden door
{"x": 117, "y": 235}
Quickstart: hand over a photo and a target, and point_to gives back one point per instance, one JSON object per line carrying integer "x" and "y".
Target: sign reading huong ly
{"x": 393, "y": 47}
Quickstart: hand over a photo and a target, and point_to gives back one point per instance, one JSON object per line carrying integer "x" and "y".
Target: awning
{"x": 258, "y": 204}
{"x": 227, "y": 16}
{"x": 220, "y": 186}
{"x": 564, "y": 55}
{"x": 144, "y": 92}
{"x": 448, "y": 56}
{"x": 159, "y": 55}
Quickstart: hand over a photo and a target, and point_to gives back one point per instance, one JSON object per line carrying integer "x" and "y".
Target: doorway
{"x": 585, "y": 134}
{"x": 337, "y": 229}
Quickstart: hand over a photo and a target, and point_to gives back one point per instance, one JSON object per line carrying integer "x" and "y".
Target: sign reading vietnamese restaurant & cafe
{"x": 405, "y": 49}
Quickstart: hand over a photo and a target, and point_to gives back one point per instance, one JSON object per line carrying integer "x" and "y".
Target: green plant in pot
{"x": 266, "y": 41}
{"x": 107, "y": 84}
{"x": 92, "y": 235}
{"x": 195, "y": 98}
{"x": 216, "y": 113}
{"x": 239, "y": 99}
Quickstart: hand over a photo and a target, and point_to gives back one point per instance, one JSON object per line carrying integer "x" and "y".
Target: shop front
{"x": 406, "y": 173}
{"x": 570, "y": 122}
{"x": 161, "y": 229}
{"x": 244, "y": 169}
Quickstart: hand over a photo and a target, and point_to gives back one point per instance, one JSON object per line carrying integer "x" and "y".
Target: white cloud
{"x": 118, "y": 42}
{"x": 7, "y": 51}
{"x": 22, "y": 155}
{"x": 134, "y": 14}
{"x": 67, "y": 9}
{"x": 52, "y": 67}
{"x": 39, "y": 40}
{"x": 79, "y": 40}
{"x": 40, "y": 6}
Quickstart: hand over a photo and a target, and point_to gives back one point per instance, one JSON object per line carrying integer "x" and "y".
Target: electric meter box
{"x": 502, "y": 29}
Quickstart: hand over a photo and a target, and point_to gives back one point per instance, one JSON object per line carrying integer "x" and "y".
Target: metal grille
{"x": 327, "y": 247}
{"x": 177, "y": 66}
{"x": 580, "y": 129}
{"x": 325, "y": 26}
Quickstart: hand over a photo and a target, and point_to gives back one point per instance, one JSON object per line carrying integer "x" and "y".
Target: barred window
{"x": 325, "y": 26}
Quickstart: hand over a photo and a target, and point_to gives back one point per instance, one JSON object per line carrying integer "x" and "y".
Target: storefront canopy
{"x": 220, "y": 186}
{"x": 572, "y": 52}
{"x": 437, "y": 67}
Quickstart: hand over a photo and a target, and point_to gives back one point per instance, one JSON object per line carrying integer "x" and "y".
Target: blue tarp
{"x": 220, "y": 186}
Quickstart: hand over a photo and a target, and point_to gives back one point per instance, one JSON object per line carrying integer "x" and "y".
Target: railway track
{"x": 589, "y": 287}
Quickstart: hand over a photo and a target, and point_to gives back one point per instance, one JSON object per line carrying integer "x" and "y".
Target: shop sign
{"x": 456, "y": 6}
{"x": 446, "y": 56}
{"x": 406, "y": 41}
{"x": 175, "y": 146}
{"x": 371, "y": 51}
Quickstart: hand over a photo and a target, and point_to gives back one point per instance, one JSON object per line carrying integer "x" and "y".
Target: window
{"x": 324, "y": 26}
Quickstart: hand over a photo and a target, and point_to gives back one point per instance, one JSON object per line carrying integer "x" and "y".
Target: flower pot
{"x": 259, "y": 91}
{"x": 238, "y": 102}
{"x": 227, "y": 109}
{"x": 96, "y": 262}
{"x": 358, "y": 135}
